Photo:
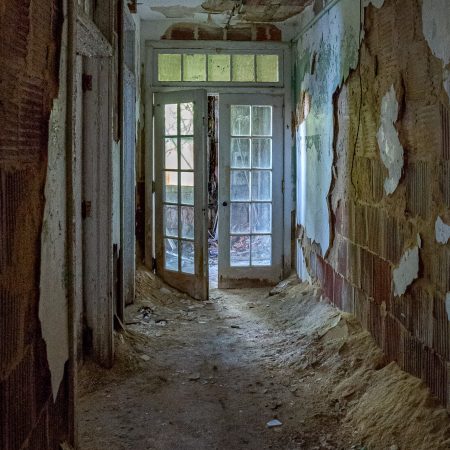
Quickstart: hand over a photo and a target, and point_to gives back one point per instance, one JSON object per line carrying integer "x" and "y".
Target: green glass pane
{"x": 219, "y": 67}
{"x": 169, "y": 67}
{"x": 194, "y": 67}
{"x": 267, "y": 68}
{"x": 243, "y": 68}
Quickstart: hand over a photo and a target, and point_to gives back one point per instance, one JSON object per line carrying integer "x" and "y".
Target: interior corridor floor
{"x": 191, "y": 375}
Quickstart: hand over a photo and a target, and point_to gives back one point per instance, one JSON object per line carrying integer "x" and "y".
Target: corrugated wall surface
{"x": 29, "y": 59}
{"x": 370, "y": 230}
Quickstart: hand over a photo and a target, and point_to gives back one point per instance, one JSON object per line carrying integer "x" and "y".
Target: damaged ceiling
{"x": 221, "y": 12}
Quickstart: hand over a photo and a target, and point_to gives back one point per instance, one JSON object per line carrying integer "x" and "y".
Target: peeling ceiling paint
{"x": 390, "y": 148}
{"x": 202, "y": 11}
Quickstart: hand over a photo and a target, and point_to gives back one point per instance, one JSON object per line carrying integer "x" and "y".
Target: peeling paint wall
{"x": 34, "y": 390}
{"x": 373, "y": 168}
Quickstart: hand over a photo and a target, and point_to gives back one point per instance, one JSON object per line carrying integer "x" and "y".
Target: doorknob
{"x": 225, "y": 204}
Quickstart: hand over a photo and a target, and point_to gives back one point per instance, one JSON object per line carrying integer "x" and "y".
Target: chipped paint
{"x": 407, "y": 270}
{"x": 53, "y": 305}
{"x": 389, "y": 144}
{"x": 442, "y": 231}
{"x": 447, "y": 305}
{"x": 436, "y": 29}
{"x": 334, "y": 38}
{"x": 302, "y": 268}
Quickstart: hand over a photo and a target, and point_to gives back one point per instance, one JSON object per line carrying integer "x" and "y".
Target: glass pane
{"x": 169, "y": 67}
{"x": 240, "y": 218}
{"x": 187, "y": 153}
{"x": 171, "y": 254}
{"x": 261, "y": 250}
{"x": 240, "y": 185}
{"x": 187, "y": 222}
{"x": 171, "y": 154}
{"x": 219, "y": 67}
{"x": 186, "y": 119}
{"x": 262, "y": 153}
{"x": 239, "y": 251}
{"x": 262, "y": 121}
{"x": 267, "y": 68}
{"x": 240, "y": 153}
{"x": 240, "y": 120}
{"x": 171, "y": 187}
{"x": 171, "y": 220}
{"x": 261, "y": 218}
{"x": 187, "y": 188}
{"x": 262, "y": 185}
{"x": 194, "y": 67}
{"x": 187, "y": 257}
{"x": 243, "y": 68}
{"x": 170, "y": 120}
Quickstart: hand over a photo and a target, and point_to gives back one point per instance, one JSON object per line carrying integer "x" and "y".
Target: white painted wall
{"x": 53, "y": 303}
{"x": 334, "y": 38}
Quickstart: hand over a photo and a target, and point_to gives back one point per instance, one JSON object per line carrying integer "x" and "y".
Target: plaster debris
{"x": 436, "y": 29}
{"x": 407, "y": 271}
{"x": 442, "y": 231}
{"x": 447, "y": 305}
{"x": 390, "y": 147}
{"x": 274, "y": 423}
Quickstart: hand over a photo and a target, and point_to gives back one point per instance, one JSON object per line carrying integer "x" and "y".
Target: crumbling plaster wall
{"x": 32, "y": 415}
{"x": 373, "y": 189}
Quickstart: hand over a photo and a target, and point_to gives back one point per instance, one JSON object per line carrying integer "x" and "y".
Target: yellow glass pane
{"x": 169, "y": 67}
{"x": 243, "y": 69}
{"x": 194, "y": 67}
{"x": 219, "y": 67}
{"x": 267, "y": 68}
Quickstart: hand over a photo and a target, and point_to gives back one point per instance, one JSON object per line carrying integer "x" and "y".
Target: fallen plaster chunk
{"x": 447, "y": 305}
{"x": 390, "y": 147}
{"x": 442, "y": 231}
{"x": 407, "y": 271}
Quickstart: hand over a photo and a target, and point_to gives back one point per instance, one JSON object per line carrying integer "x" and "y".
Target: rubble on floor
{"x": 218, "y": 372}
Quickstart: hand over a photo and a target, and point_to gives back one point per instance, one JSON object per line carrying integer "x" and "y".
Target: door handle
{"x": 225, "y": 204}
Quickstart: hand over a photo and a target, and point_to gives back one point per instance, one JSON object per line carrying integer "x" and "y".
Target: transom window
{"x": 225, "y": 67}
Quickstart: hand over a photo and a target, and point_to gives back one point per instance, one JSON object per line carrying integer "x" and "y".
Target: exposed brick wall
{"x": 251, "y": 32}
{"x": 30, "y": 33}
{"x": 371, "y": 230}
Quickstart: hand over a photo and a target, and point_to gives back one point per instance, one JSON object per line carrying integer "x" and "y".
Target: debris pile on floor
{"x": 252, "y": 369}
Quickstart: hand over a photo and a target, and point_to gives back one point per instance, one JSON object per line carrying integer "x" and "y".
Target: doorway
{"x": 218, "y": 190}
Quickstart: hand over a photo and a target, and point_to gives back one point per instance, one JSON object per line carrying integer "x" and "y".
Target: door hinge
{"x": 153, "y": 187}
{"x": 86, "y": 82}
{"x": 154, "y": 265}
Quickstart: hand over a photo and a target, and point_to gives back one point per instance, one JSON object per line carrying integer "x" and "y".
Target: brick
{"x": 210, "y": 33}
{"x": 418, "y": 189}
{"x": 413, "y": 355}
{"x": 382, "y": 281}
{"x": 441, "y": 332}
{"x": 434, "y": 373}
{"x": 392, "y": 342}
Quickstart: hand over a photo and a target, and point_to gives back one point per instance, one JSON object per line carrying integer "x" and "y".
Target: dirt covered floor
{"x": 193, "y": 375}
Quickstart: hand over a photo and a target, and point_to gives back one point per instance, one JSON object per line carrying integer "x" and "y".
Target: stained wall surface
{"x": 31, "y": 416}
{"x": 373, "y": 189}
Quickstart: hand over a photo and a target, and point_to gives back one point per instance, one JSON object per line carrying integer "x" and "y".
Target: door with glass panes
{"x": 181, "y": 191}
{"x": 250, "y": 189}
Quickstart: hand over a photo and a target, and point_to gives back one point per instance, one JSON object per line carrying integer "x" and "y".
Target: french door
{"x": 250, "y": 190}
{"x": 181, "y": 191}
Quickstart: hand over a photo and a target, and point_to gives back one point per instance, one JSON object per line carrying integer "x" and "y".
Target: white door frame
{"x": 233, "y": 277}
{"x": 150, "y": 88}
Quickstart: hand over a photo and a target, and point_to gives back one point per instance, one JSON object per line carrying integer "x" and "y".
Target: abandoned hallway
{"x": 212, "y": 375}
{"x": 224, "y": 224}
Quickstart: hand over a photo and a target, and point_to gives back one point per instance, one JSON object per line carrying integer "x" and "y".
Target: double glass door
{"x": 250, "y": 190}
